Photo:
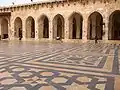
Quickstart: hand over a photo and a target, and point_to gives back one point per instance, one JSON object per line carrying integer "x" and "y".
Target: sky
{"x": 9, "y": 2}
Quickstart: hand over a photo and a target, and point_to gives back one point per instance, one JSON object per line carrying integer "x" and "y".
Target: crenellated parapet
{"x": 36, "y": 5}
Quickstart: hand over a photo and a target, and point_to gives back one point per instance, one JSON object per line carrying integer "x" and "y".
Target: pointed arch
{"x": 43, "y": 26}
{"x": 30, "y": 27}
{"x": 4, "y": 28}
{"x": 75, "y": 26}
{"x": 18, "y": 27}
{"x": 95, "y": 26}
{"x": 114, "y": 26}
{"x": 58, "y": 26}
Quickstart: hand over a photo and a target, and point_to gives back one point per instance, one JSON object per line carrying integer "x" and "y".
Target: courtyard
{"x": 59, "y": 66}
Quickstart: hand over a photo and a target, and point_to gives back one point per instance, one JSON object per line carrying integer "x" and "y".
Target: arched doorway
{"x": 114, "y": 26}
{"x": 30, "y": 27}
{"x": 58, "y": 26}
{"x": 95, "y": 26}
{"x": 75, "y": 26}
{"x": 18, "y": 27}
{"x": 4, "y": 29}
{"x": 43, "y": 26}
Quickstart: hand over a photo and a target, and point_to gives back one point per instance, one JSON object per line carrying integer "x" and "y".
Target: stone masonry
{"x": 63, "y": 9}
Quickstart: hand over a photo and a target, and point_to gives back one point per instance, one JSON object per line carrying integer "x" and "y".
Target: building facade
{"x": 70, "y": 20}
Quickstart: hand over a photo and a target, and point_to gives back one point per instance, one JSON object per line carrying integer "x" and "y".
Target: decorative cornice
{"x": 49, "y": 4}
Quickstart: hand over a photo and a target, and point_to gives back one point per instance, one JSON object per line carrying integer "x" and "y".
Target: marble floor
{"x": 59, "y": 66}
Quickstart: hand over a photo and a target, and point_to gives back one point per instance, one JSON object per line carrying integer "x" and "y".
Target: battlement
{"x": 50, "y": 4}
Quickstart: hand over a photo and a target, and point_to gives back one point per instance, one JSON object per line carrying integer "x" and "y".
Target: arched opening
{"x": 30, "y": 27}
{"x": 58, "y": 26}
{"x": 4, "y": 29}
{"x": 114, "y": 26}
{"x": 75, "y": 26}
{"x": 46, "y": 28}
{"x": 95, "y": 26}
{"x": 18, "y": 27}
{"x": 43, "y": 26}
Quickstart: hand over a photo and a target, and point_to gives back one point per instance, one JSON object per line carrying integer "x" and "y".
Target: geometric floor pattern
{"x": 59, "y": 66}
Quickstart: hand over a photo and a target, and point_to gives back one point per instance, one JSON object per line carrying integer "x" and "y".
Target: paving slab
{"x": 59, "y": 66}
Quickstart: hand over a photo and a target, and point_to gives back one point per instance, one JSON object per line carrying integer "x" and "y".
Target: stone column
{"x": 70, "y": 28}
{"x": 24, "y": 30}
{"x": 84, "y": 30}
{"x": 54, "y": 26}
{"x": 36, "y": 30}
{"x": 105, "y": 28}
{"x": 40, "y": 29}
{"x": 11, "y": 30}
{"x": 94, "y": 31}
{"x": 67, "y": 33}
{"x": 50, "y": 29}
{"x": 78, "y": 28}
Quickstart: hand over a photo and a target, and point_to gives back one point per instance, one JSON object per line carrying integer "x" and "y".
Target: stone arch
{"x": 4, "y": 28}
{"x": 75, "y": 26}
{"x": 95, "y": 26}
{"x": 43, "y": 27}
{"x": 18, "y": 27}
{"x": 30, "y": 27}
{"x": 58, "y": 26}
{"x": 114, "y": 26}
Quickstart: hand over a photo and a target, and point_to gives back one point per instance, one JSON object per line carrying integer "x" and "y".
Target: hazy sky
{"x": 9, "y": 2}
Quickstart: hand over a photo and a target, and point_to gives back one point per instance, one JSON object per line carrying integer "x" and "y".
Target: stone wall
{"x": 66, "y": 10}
